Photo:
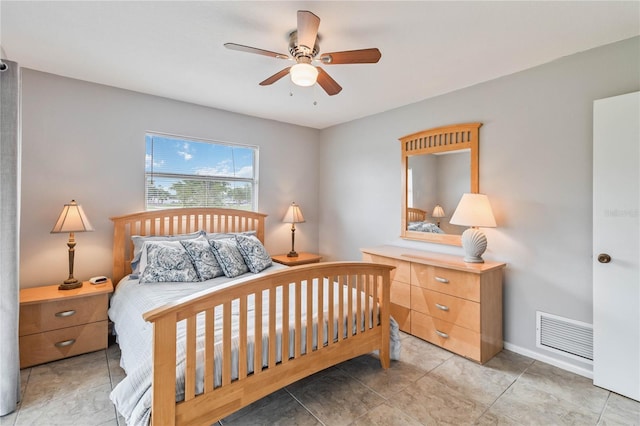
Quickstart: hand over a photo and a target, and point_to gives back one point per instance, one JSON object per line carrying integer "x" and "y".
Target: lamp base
{"x": 70, "y": 284}
{"x": 292, "y": 254}
{"x": 474, "y": 243}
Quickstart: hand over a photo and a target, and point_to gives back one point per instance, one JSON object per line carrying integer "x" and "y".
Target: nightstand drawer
{"x": 461, "y": 312}
{"x": 448, "y": 281}
{"x": 62, "y": 313}
{"x": 57, "y": 344}
{"x": 447, "y": 335}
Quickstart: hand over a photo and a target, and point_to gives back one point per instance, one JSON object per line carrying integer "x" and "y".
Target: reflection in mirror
{"x": 436, "y": 180}
{"x": 439, "y": 165}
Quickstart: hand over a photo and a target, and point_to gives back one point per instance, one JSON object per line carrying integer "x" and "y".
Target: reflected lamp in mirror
{"x": 474, "y": 211}
{"x": 438, "y": 213}
{"x": 72, "y": 219}
{"x": 293, "y": 216}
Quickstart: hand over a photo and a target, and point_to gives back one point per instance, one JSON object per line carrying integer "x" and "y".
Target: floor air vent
{"x": 565, "y": 336}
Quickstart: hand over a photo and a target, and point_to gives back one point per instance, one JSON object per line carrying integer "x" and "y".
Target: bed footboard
{"x": 349, "y": 327}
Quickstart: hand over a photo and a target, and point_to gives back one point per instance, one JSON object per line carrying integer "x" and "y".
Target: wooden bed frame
{"x": 217, "y": 402}
{"x": 416, "y": 215}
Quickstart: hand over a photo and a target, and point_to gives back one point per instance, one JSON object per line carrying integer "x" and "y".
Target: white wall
{"x": 535, "y": 166}
{"x": 85, "y": 141}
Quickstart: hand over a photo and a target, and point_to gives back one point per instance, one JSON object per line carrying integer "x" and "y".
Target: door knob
{"x": 604, "y": 258}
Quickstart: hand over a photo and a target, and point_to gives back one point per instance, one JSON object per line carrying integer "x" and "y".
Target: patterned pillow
{"x": 139, "y": 240}
{"x": 253, "y": 253}
{"x": 167, "y": 261}
{"x": 203, "y": 258}
{"x": 229, "y": 257}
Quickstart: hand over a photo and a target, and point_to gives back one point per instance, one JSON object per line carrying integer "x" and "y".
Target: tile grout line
{"x": 505, "y": 391}
{"x": 303, "y": 406}
{"x": 604, "y": 407}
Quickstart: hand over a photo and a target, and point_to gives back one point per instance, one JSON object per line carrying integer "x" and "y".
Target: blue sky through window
{"x": 172, "y": 155}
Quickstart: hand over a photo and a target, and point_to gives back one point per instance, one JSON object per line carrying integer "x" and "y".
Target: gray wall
{"x": 85, "y": 141}
{"x": 535, "y": 166}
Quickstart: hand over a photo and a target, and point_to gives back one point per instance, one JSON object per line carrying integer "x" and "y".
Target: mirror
{"x": 438, "y": 166}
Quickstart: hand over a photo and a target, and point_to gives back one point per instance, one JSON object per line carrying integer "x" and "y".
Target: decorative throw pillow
{"x": 167, "y": 261}
{"x": 203, "y": 259}
{"x": 253, "y": 253}
{"x": 229, "y": 257}
{"x": 139, "y": 240}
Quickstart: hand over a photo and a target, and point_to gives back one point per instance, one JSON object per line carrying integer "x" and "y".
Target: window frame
{"x": 180, "y": 138}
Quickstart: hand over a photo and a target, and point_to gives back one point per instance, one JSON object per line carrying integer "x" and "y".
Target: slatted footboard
{"x": 303, "y": 332}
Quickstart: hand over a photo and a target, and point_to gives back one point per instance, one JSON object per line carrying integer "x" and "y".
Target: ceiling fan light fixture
{"x": 304, "y": 74}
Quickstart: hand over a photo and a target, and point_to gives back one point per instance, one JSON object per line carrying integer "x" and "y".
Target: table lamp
{"x": 438, "y": 212}
{"x": 474, "y": 211}
{"x": 293, "y": 216}
{"x": 72, "y": 219}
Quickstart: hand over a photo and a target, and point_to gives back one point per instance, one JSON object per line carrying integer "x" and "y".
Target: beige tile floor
{"x": 427, "y": 386}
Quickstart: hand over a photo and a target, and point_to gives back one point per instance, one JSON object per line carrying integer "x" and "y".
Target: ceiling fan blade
{"x": 249, "y": 49}
{"x": 362, "y": 56}
{"x": 327, "y": 83}
{"x": 277, "y": 76}
{"x": 308, "y": 24}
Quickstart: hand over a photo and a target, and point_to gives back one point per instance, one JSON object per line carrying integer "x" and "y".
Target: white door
{"x": 616, "y": 244}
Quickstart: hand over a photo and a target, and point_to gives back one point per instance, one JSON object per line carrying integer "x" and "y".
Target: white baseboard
{"x": 582, "y": 371}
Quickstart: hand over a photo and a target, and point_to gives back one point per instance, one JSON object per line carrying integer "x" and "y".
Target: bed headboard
{"x": 416, "y": 215}
{"x": 176, "y": 221}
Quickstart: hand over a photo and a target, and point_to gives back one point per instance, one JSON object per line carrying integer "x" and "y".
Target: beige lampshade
{"x": 72, "y": 219}
{"x": 293, "y": 215}
{"x": 474, "y": 210}
{"x": 438, "y": 211}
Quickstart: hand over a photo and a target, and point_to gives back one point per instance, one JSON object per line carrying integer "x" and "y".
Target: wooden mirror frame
{"x": 441, "y": 139}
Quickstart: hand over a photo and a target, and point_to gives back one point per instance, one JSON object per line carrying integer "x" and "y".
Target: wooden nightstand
{"x": 301, "y": 259}
{"x": 56, "y": 324}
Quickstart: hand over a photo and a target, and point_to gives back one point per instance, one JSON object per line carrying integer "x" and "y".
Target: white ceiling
{"x": 175, "y": 49}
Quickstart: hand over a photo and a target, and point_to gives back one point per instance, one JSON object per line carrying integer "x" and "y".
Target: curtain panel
{"x": 9, "y": 236}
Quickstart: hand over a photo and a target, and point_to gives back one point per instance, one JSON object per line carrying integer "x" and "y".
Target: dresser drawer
{"x": 447, "y": 335}
{"x": 401, "y": 294}
{"x": 402, "y": 315}
{"x": 57, "y": 344}
{"x": 448, "y": 281}
{"x": 402, "y": 273}
{"x": 62, "y": 313}
{"x": 461, "y": 312}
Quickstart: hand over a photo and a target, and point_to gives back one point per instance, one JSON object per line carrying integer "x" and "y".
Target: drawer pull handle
{"x": 442, "y": 280}
{"x": 65, "y": 313}
{"x": 442, "y": 307}
{"x": 441, "y": 334}
{"x": 65, "y": 343}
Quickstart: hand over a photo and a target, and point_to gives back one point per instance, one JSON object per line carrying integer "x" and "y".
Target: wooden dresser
{"x": 56, "y": 324}
{"x": 445, "y": 301}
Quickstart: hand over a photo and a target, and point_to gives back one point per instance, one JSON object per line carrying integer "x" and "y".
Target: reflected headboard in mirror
{"x": 438, "y": 166}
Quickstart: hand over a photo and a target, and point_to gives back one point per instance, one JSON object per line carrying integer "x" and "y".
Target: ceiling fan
{"x": 304, "y": 49}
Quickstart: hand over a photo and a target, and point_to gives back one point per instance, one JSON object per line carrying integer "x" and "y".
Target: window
{"x": 182, "y": 172}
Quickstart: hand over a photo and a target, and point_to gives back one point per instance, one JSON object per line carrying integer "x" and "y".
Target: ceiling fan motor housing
{"x": 302, "y": 53}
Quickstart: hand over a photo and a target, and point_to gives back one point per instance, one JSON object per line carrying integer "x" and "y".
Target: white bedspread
{"x": 132, "y": 396}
